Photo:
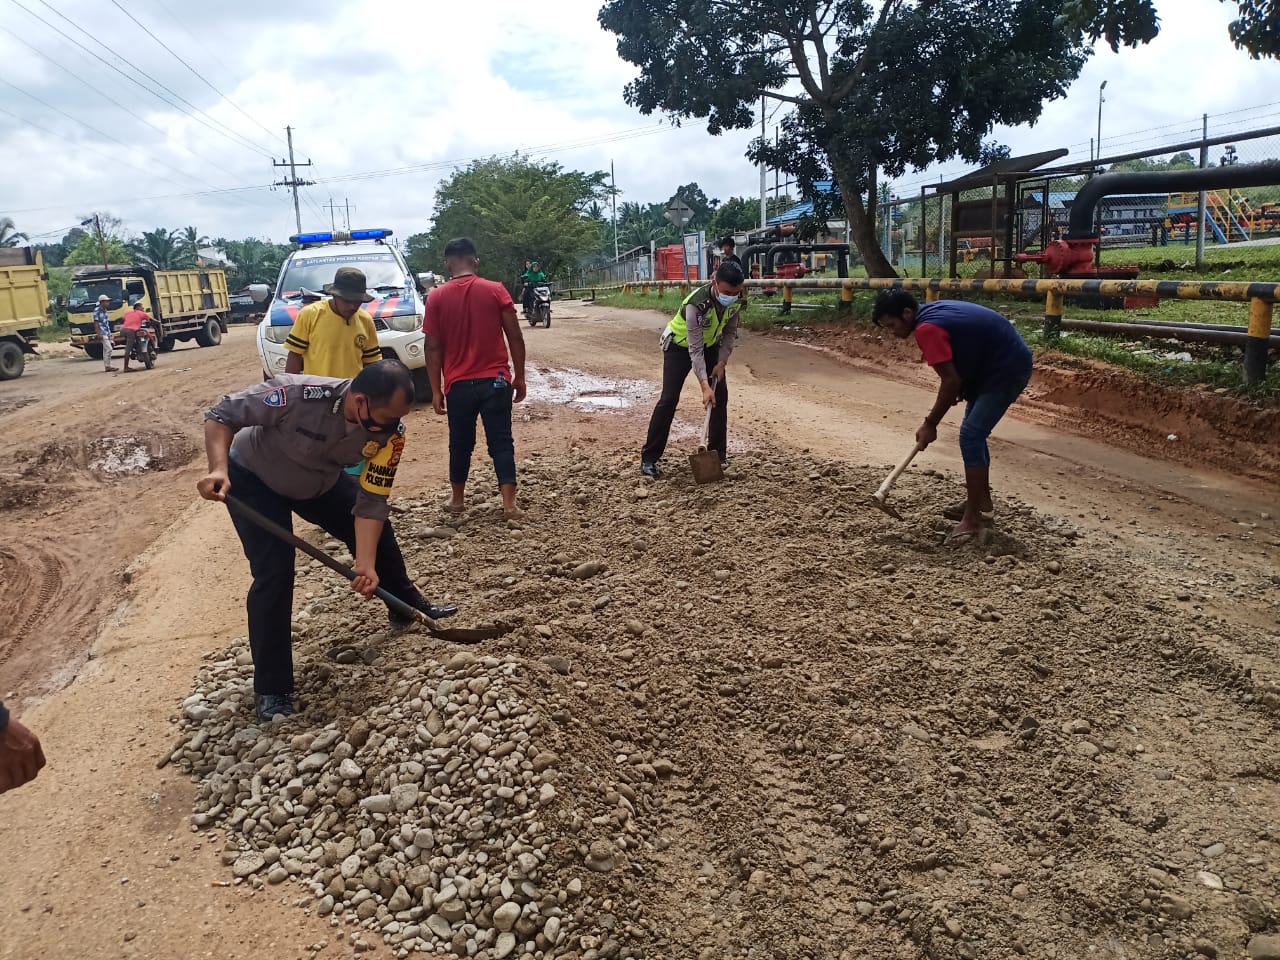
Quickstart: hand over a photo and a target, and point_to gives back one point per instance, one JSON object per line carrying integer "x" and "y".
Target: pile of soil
{"x": 1208, "y": 427}
{"x": 774, "y": 723}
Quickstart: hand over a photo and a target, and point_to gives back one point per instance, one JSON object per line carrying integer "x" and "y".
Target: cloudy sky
{"x": 387, "y": 96}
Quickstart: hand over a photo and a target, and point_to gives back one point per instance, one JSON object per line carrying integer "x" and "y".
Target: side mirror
{"x": 259, "y": 292}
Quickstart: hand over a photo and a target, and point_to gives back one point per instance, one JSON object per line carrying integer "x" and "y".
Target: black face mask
{"x": 377, "y": 426}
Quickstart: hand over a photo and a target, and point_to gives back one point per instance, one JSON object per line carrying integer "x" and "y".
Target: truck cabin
{"x": 125, "y": 287}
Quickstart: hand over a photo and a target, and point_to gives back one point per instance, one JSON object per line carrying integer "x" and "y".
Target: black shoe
{"x": 651, "y": 469}
{"x": 440, "y": 612}
{"x": 272, "y": 705}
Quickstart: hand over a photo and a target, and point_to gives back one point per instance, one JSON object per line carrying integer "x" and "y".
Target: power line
{"x": 109, "y": 99}
{"x": 293, "y": 183}
{"x": 376, "y": 174}
{"x": 202, "y": 117}
{"x": 104, "y": 135}
{"x": 82, "y": 146}
{"x": 199, "y": 75}
{"x": 203, "y": 46}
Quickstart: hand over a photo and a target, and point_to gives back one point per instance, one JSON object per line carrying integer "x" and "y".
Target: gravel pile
{"x": 760, "y": 719}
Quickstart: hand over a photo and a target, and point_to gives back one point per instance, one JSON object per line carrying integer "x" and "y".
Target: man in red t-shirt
{"x": 131, "y": 326}
{"x": 467, "y": 363}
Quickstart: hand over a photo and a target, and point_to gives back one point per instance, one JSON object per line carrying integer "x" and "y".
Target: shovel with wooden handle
{"x": 705, "y": 462}
{"x": 880, "y": 499}
{"x": 451, "y": 634}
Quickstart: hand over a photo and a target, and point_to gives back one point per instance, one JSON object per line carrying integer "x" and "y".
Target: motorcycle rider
{"x": 532, "y": 277}
{"x": 132, "y": 328}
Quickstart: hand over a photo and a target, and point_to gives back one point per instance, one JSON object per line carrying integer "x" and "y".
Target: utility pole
{"x": 346, "y": 208}
{"x": 293, "y": 182}
{"x": 1202, "y": 199}
{"x": 764, "y": 207}
{"x": 1101, "y": 101}
{"x": 613, "y": 198}
{"x": 102, "y": 243}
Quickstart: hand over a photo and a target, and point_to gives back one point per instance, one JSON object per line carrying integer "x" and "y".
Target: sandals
{"x": 961, "y": 538}
{"x": 956, "y": 512}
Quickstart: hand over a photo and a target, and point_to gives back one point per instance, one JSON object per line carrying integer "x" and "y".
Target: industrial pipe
{"x": 1186, "y": 334}
{"x": 1080, "y": 224}
{"x": 842, "y": 262}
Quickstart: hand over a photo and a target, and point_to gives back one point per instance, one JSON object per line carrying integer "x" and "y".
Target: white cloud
{"x": 372, "y": 85}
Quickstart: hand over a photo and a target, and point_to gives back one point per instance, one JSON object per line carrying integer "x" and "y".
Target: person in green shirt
{"x": 532, "y": 277}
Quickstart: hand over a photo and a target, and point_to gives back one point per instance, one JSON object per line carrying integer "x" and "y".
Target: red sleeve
{"x": 934, "y": 342}
{"x": 503, "y": 297}
{"x": 431, "y": 318}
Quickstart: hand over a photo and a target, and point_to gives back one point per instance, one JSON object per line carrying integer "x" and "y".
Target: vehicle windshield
{"x": 381, "y": 271}
{"x": 84, "y": 296}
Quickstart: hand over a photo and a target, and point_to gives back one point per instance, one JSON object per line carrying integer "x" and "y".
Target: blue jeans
{"x": 490, "y": 400}
{"x": 981, "y": 415}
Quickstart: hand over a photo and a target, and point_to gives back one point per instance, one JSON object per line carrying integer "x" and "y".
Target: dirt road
{"x": 116, "y": 578}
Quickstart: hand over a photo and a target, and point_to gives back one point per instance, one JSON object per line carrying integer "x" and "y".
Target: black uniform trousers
{"x": 676, "y": 365}
{"x": 270, "y": 600}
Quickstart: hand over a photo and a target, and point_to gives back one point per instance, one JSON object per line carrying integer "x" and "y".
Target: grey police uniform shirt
{"x": 290, "y": 431}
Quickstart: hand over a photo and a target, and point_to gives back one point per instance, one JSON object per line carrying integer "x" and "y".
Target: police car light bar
{"x": 337, "y": 236}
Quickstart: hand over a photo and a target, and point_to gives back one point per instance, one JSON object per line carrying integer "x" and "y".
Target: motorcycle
{"x": 146, "y": 345}
{"x": 541, "y": 306}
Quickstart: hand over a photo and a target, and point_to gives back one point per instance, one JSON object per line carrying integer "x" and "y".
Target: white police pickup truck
{"x": 397, "y": 310}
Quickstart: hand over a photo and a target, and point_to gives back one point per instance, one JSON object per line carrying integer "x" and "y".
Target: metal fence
{"x": 914, "y": 230}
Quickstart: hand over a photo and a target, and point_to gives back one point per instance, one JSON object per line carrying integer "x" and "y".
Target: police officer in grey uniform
{"x": 288, "y": 446}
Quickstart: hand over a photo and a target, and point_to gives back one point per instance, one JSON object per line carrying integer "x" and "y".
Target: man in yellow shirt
{"x": 335, "y": 337}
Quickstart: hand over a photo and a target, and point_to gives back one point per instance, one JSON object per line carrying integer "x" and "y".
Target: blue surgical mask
{"x": 726, "y": 298}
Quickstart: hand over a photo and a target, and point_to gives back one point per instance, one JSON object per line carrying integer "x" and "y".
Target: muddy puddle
{"x": 585, "y": 391}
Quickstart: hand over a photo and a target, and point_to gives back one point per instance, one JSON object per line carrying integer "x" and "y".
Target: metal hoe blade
{"x": 885, "y": 506}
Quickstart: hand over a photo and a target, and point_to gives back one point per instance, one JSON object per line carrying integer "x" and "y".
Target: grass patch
{"x": 52, "y": 333}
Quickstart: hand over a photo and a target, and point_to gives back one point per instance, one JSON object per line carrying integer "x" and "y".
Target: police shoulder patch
{"x": 276, "y": 398}
{"x": 314, "y": 392}
{"x": 370, "y": 449}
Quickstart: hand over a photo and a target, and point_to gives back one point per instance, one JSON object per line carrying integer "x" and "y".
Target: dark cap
{"x": 348, "y": 284}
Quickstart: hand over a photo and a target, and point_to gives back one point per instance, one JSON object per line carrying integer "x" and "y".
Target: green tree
{"x": 88, "y": 252}
{"x": 158, "y": 249}
{"x": 59, "y": 289}
{"x": 417, "y": 254}
{"x": 873, "y": 87}
{"x": 702, "y": 206}
{"x": 1256, "y": 28}
{"x": 513, "y": 208}
{"x": 10, "y": 235}
{"x": 189, "y": 244}
{"x": 735, "y": 215}
{"x": 101, "y": 230}
{"x": 256, "y": 261}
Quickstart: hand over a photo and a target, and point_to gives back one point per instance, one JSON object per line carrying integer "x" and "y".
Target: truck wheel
{"x": 93, "y": 350}
{"x": 211, "y": 334}
{"x": 166, "y": 344}
{"x": 421, "y": 385}
{"x": 12, "y": 362}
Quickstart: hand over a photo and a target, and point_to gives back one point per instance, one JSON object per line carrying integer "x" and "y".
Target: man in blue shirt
{"x": 979, "y": 357}
{"x": 102, "y": 320}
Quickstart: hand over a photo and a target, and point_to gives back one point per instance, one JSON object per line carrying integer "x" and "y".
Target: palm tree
{"x": 190, "y": 243}
{"x": 10, "y": 236}
{"x": 158, "y": 249}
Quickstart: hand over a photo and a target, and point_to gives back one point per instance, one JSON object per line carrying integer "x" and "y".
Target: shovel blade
{"x": 705, "y": 465}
